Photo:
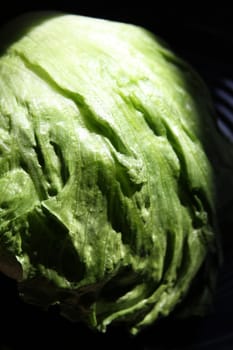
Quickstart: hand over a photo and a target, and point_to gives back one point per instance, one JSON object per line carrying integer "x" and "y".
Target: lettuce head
{"x": 108, "y": 158}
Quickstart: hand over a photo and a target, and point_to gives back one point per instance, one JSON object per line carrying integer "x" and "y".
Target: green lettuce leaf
{"x": 108, "y": 190}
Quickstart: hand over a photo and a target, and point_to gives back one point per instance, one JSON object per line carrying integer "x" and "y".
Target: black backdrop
{"x": 203, "y": 36}
{"x": 187, "y": 26}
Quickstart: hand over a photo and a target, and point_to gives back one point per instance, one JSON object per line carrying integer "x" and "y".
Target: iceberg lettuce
{"x": 108, "y": 158}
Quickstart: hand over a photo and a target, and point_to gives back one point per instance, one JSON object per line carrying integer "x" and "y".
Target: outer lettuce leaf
{"x": 108, "y": 152}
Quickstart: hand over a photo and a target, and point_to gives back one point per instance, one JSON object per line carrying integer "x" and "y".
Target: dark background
{"x": 203, "y": 36}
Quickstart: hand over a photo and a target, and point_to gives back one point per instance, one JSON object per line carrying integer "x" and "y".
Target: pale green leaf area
{"x": 107, "y": 190}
